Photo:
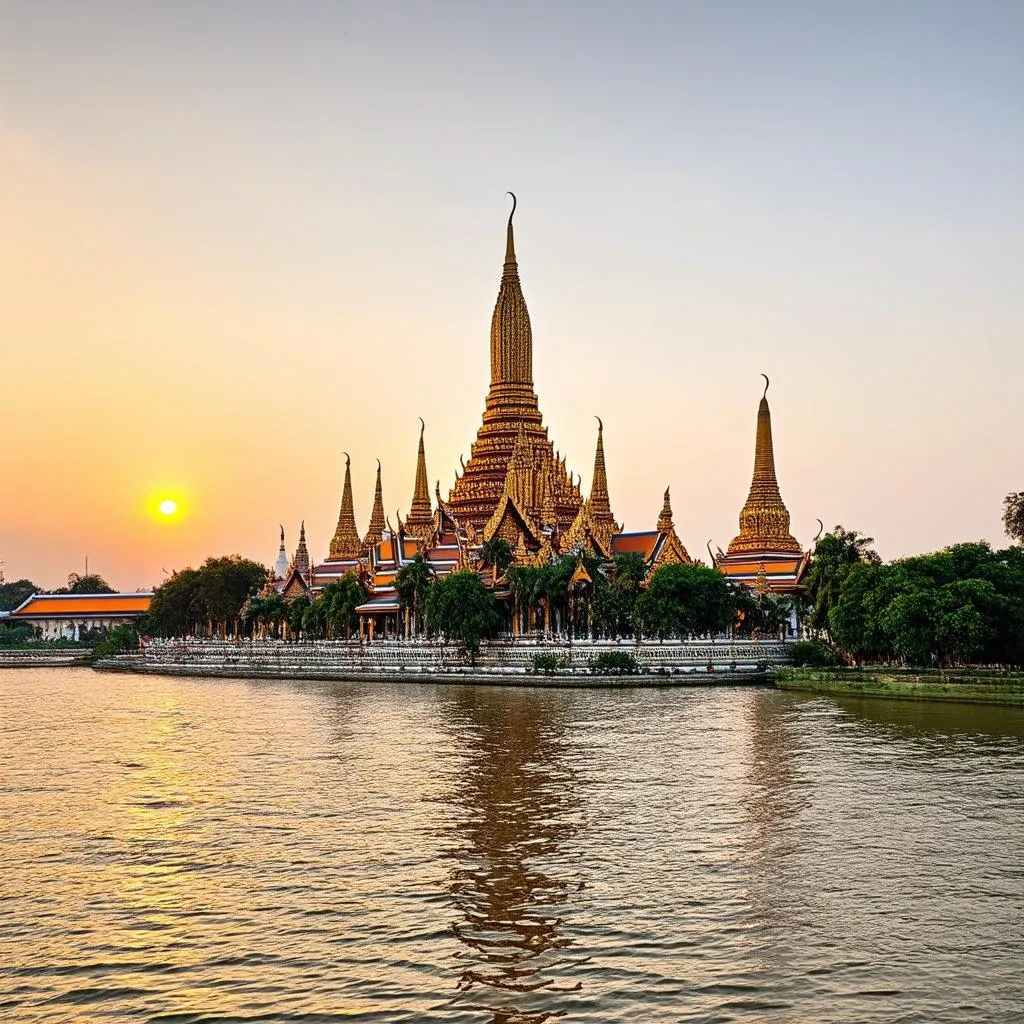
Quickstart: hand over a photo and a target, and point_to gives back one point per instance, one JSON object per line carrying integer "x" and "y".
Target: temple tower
{"x": 301, "y": 563}
{"x": 346, "y": 543}
{"x": 375, "y": 531}
{"x": 281, "y": 565}
{"x": 764, "y": 519}
{"x": 511, "y": 405}
{"x": 420, "y": 521}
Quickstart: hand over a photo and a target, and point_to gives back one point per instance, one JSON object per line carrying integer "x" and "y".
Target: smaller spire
{"x": 346, "y": 543}
{"x": 281, "y": 565}
{"x": 301, "y": 560}
{"x": 420, "y": 521}
{"x": 600, "y": 505}
{"x": 510, "y": 241}
{"x": 375, "y": 531}
{"x": 665, "y": 519}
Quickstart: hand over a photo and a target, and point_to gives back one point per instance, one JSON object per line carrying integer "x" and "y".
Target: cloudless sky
{"x": 239, "y": 238}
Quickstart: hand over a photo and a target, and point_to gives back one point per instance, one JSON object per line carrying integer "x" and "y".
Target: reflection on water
{"x": 514, "y": 805}
{"x": 211, "y": 851}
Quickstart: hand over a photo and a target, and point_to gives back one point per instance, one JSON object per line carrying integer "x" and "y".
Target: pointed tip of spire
{"x": 767, "y": 384}
{"x": 378, "y": 467}
{"x": 510, "y": 244}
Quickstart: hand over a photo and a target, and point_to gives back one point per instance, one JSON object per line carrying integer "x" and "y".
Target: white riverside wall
{"x": 503, "y": 660}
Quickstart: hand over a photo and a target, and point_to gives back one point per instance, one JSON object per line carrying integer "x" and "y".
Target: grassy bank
{"x": 957, "y": 686}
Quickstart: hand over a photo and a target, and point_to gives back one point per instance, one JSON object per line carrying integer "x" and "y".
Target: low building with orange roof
{"x": 68, "y": 616}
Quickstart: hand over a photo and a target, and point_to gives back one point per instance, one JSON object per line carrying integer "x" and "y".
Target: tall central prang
{"x": 512, "y": 407}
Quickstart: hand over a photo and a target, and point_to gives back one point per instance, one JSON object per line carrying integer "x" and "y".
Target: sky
{"x": 242, "y": 238}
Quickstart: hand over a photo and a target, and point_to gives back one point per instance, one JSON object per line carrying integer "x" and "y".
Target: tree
{"x": 175, "y": 609}
{"x": 497, "y": 553}
{"x": 412, "y": 583}
{"x": 615, "y": 598}
{"x": 682, "y": 599}
{"x": 461, "y": 608}
{"x": 225, "y": 584}
{"x": 1013, "y": 516}
{"x": 340, "y": 600}
{"x": 14, "y": 594}
{"x": 91, "y": 583}
{"x": 834, "y": 555}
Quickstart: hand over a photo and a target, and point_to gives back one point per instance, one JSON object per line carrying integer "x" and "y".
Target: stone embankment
{"x": 35, "y": 658}
{"x": 676, "y": 663}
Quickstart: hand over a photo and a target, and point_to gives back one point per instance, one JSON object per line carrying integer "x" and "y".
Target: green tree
{"x": 684, "y": 599}
{"x": 497, "y": 553}
{"x": 225, "y": 584}
{"x": 90, "y": 583}
{"x": 615, "y": 598}
{"x": 175, "y": 609}
{"x": 16, "y": 593}
{"x": 834, "y": 555}
{"x": 1013, "y": 516}
{"x": 341, "y": 599}
{"x": 461, "y": 608}
{"x": 412, "y": 584}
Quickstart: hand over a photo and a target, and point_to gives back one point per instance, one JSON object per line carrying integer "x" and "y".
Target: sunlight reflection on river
{"x": 200, "y": 850}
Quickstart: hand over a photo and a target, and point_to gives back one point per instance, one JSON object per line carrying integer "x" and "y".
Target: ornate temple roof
{"x": 764, "y": 520}
{"x": 346, "y": 543}
{"x": 55, "y": 606}
{"x": 300, "y": 561}
{"x": 511, "y": 406}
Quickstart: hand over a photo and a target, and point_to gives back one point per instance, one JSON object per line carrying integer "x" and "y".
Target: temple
{"x": 764, "y": 554}
{"x": 517, "y": 488}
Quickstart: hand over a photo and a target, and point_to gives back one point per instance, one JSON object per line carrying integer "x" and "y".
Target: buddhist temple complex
{"x": 517, "y": 488}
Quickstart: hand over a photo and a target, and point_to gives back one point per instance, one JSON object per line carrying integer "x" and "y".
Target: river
{"x": 186, "y": 850}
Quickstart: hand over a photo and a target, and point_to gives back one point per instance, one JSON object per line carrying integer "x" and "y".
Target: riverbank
{"x": 960, "y": 686}
{"x": 500, "y": 663}
{"x": 14, "y": 657}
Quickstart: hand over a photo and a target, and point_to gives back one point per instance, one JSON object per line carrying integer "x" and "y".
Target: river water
{"x": 211, "y": 850}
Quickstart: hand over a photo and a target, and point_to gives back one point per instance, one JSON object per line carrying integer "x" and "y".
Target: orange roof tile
{"x": 57, "y": 605}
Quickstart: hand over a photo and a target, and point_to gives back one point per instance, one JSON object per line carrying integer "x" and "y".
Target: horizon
{"x": 244, "y": 240}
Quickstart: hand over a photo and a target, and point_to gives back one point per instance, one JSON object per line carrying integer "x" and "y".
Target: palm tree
{"x": 497, "y": 553}
{"x": 412, "y": 584}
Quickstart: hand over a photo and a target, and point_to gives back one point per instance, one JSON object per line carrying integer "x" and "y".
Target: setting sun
{"x": 168, "y": 507}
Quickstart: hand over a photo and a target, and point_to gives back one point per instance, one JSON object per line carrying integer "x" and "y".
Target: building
{"x": 69, "y": 616}
{"x": 764, "y": 554}
{"x": 518, "y": 488}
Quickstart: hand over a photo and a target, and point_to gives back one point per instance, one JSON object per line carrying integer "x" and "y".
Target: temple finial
{"x": 510, "y": 243}
{"x": 767, "y": 384}
{"x": 821, "y": 530}
{"x": 711, "y": 554}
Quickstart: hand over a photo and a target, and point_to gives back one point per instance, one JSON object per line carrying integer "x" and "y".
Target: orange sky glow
{"x": 234, "y": 248}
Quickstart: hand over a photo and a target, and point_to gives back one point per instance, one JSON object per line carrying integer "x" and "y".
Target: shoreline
{"x": 952, "y": 687}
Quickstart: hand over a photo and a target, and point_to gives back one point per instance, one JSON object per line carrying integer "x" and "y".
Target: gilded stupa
{"x": 511, "y": 409}
{"x": 346, "y": 543}
{"x": 764, "y": 548}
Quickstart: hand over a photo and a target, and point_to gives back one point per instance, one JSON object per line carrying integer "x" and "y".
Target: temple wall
{"x": 338, "y": 660}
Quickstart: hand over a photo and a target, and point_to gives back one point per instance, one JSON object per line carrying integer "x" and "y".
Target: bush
{"x": 615, "y": 663}
{"x": 117, "y": 641}
{"x": 549, "y": 663}
{"x": 814, "y": 654}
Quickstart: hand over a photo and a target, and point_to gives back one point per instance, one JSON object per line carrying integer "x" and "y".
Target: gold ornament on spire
{"x": 300, "y": 563}
{"x": 764, "y": 520}
{"x": 375, "y": 531}
{"x": 346, "y": 543}
{"x": 600, "y": 504}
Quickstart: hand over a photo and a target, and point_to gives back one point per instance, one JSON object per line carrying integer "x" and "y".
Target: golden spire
{"x": 511, "y": 335}
{"x": 764, "y": 520}
{"x": 375, "y": 531}
{"x": 346, "y": 543}
{"x": 301, "y": 560}
{"x": 600, "y": 505}
{"x": 665, "y": 519}
{"x": 421, "y": 515}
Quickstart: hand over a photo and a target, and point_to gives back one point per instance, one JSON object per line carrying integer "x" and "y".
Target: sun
{"x": 168, "y": 507}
